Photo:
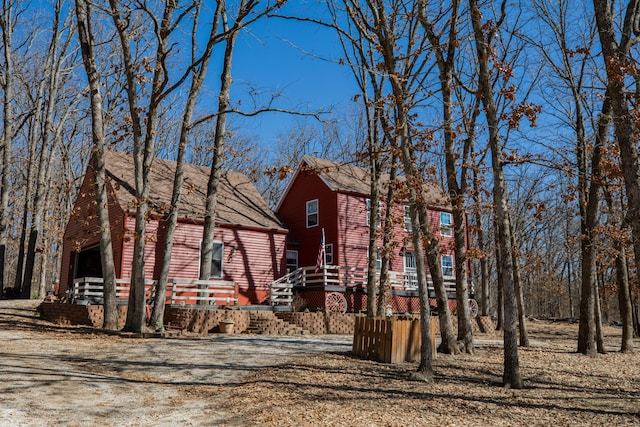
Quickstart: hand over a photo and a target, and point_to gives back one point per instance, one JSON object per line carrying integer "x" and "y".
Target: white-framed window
{"x": 328, "y": 253}
{"x": 445, "y": 224}
{"x": 378, "y": 258}
{"x": 410, "y": 270}
{"x": 379, "y": 222}
{"x": 408, "y": 225}
{"x": 447, "y": 265}
{"x": 312, "y": 213}
{"x": 216, "y": 259}
{"x": 292, "y": 260}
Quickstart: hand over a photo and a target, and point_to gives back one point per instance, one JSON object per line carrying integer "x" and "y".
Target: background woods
{"x": 524, "y": 113}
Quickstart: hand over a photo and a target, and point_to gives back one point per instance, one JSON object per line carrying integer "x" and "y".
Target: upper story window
{"x": 447, "y": 265}
{"x": 445, "y": 224}
{"x": 312, "y": 213}
{"x": 408, "y": 225}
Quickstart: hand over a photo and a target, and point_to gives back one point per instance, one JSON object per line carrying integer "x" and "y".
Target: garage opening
{"x": 88, "y": 263}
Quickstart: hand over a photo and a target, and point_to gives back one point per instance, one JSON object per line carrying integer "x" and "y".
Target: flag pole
{"x": 324, "y": 252}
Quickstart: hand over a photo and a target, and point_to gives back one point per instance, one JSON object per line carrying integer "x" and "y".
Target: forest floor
{"x": 52, "y": 375}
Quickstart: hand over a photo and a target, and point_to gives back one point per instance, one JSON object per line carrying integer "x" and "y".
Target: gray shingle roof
{"x": 354, "y": 179}
{"x": 239, "y": 202}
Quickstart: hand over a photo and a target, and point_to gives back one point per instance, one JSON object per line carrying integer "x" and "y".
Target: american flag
{"x": 320, "y": 260}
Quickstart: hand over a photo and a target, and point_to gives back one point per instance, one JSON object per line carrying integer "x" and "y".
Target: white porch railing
{"x": 331, "y": 275}
{"x": 207, "y": 292}
{"x": 179, "y": 291}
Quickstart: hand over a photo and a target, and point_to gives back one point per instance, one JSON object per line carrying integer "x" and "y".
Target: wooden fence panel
{"x": 389, "y": 340}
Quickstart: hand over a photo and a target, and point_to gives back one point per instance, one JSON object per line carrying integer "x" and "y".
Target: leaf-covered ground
{"x": 562, "y": 388}
{"x": 69, "y": 376}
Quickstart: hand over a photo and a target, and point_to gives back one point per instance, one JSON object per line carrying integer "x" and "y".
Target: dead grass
{"x": 562, "y": 388}
{"x": 72, "y": 376}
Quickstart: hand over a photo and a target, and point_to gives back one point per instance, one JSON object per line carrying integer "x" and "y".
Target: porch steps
{"x": 266, "y": 323}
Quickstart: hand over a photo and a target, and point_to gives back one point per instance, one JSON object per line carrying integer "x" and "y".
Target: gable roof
{"x": 239, "y": 202}
{"x": 348, "y": 178}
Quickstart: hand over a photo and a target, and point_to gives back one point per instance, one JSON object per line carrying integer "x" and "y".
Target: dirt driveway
{"x": 53, "y": 376}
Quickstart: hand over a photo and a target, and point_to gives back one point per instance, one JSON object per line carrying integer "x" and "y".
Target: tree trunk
{"x": 586, "y": 328}
{"x": 624, "y": 301}
{"x": 511, "y": 374}
{"x": 386, "y": 241}
{"x": 598, "y": 320}
{"x": 7, "y": 23}
{"x": 570, "y": 291}
{"x": 85, "y": 34}
{"x": 425, "y": 369}
{"x": 374, "y": 216}
{"x": 456, "y": 190}
{"x": 143, "y": 147}
{"x": 157, "y": 316}
{"x": 517, "y": 282}
{"x": 206, "y": 255}
{"x": 614, "y": 54}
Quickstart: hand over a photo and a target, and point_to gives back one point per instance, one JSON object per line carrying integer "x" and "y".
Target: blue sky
{"x": 297, "y": 60}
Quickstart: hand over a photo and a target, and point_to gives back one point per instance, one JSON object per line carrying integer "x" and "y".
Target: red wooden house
{"x": 334, "y": 197}
{"x": 250, "y": 240}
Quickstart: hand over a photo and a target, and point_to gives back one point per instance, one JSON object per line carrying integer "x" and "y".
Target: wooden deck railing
{"x": 179, "y": 291}
{"x": 339, "y": 276}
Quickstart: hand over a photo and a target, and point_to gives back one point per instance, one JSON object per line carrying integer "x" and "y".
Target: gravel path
{"x": 68, "y": 376}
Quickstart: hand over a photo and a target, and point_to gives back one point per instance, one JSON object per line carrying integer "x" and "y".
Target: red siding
{"x": 308, "y": 186}
{"x": 347, "y": 227}
{"x": 82, "y": 229}
{"x": 252, "y": 258}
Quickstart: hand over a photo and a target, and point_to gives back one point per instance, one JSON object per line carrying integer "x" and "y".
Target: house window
{"x": 216, "y": 259}
{"x": 292, "y": 260}
{"x": 378, "y": 258}
{"x": 312, "y": 213}
{"x": 447, "y": 265}
{"x": 328, "y": 253}
{"x": 410, "y": 271}
{"x": 445, "y": 224}
{"x": 408, "y": 225}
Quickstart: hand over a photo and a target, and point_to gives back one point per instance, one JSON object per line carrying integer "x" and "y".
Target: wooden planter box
{"x": 389, "y": 340}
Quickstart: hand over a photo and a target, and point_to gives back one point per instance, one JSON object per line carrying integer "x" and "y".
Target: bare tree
{"x": 57, "y": 109}
{"x": 511, "y": 374}
{"x": 618, "y": 60}
{"x": 197, "y": 78}
{"x": 245, "y": 15}
{"x": 7, "y": 24}
{"x": 456, "y": 160}
{"x": 87, "y": 46}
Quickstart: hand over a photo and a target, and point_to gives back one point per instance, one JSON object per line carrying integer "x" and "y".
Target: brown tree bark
{"x": 624, "y": 301}
{"x": 616, "y": 56}
{"x": 517, "y": 283}
{"x": 85, "y": 34}
{"x": 511, "y": 375}
{"x": 198, "y": 76}
{"x": 457, "y": 190}
{"x": 425, "y": 368}
{"x": 144, "y": 133}
{"x": 219, "y": 141}
{"x": 7, "y": 25}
